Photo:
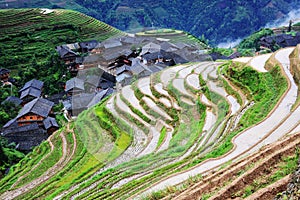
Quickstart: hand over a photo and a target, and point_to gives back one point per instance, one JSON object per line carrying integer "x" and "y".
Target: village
{"x": 98, "y": 69}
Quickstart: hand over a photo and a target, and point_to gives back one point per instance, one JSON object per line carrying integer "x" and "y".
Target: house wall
{"x": 29, "y": 119}
{"x": 27, "y": 139}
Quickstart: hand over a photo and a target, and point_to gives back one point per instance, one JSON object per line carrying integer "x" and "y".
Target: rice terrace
{"x": 184, "y": 125}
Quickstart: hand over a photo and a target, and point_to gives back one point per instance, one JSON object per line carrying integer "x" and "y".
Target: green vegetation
{"x": 252, "y": 42}
{"x": 28, "y": 39}
{"x": 162, "y": 136}
{"x": 217, "y": 21}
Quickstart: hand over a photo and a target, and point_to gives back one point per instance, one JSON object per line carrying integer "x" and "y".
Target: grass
{"x": 162, "y": 136}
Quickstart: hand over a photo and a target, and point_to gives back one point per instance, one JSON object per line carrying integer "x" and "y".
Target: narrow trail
{"x": 38, "y": 164}
{"x": 46, "y": 176}
{"x": 246, "y": 140}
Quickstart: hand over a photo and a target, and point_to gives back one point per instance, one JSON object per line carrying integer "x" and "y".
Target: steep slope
{"x": 33, "y": 33}
{"x": 217, "y": 20}
{"x": 185, "y": 121}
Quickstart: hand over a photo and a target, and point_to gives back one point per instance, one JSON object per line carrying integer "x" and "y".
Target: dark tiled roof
{"x": 115, "y": 42}
{"x": 38, "y": 106}
{"x": 11, "y": 123}
{"x": 26, "y": 128}
{"x": 81, "y": 101}
{"x": 93, "y": 80}
{"x": 33, "y": 83}
{"x": 99, "y": 96}
{"x": 74, "y": 83}
{"x": 15, "y": 100}
{"x": 4, "y": 71}
{"x": 137, "y": 68}
{"x": 50, "y": 122}
{"x": 64, "y": 50}
{"x": 89, "y": 44}
{"x": 31, "y": 91}
{"x": 123, "y": 76}
{"x": 106, "y": 84}
{"x": 79, "y": 60}
{"x": 122, "y": 69}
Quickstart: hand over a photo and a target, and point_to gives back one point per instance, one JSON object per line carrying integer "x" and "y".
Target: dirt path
{"x": 46, "y": 176}
{"x": 244, "y": 141}
{"x": 38, "y": 164}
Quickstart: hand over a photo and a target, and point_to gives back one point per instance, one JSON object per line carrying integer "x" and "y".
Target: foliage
{"x": 252, "y": 42}
{"x": 218, "y": 21}
{"x": 28, "y": 39}
{"x": 8, "y": 155}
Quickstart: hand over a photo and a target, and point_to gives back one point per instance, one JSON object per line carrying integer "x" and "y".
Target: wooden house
{"x": 74, "y": 86}
{"x": 4, "y": 74}
{"x": 35, "y": 111}
{"x": 89, "y": 46}
{"x": 50, "y": 125}
{"x": 66, "y": 54}
{"x": 37, "y": 84}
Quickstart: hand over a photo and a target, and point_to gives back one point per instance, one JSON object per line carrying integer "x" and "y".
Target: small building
{"x": 74, "y": 86}
{"x": 13, "y": 100}
{"x": 88, "y": 46}
{"x": 35, "y": 111}
{"x": 25, "y": 137}
{"x": 4, "y": 74}
{"x": 50, "y": 125}
{"x": 66, "y": 54}
{"x": 37, "y": 84}
{"x": 29, "y": 94}
{"x": 124, "y": 69}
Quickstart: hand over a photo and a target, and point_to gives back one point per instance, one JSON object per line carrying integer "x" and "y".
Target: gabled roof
{"x": 74, "y": 83}
{"x": 112, "y": 43}
{"x": 64, "y": 50}
{"x": 99, "y": 96}
{"x": 150, "y": 48}
{"x": 31, "y": 91}
{"x": 18, "y": 129}
{"x": 50, "y": 122}
{"x": 169, "y": 47}
{"x": 81, "y": 101}
{"x": 137, "y": 68}
{"x": 37, "y": 84}
{"x": 123, "y": 76}
{"x": 15, "y": 100}
{"x": 91, "y": 58}
{"x": 89, "y": 44}
{"x": 106, "y": 84}
{"x": 123, "y": 69}
{"x": 38, "y": 106}
{"x": 4, "y": 71}
{"x": 11, "y": 123}
{"x": 93, "y": 80}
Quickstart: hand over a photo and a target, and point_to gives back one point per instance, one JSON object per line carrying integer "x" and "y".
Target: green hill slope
{"x": 217, "y": 20}
{"x": 29, "y": 33}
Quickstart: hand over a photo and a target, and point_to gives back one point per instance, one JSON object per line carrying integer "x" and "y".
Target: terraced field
{"x": 33, "y": 34}
{"x": 200, "y": 130}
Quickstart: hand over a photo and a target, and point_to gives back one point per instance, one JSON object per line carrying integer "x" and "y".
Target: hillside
{"x": 218, "y": 21}
{"x": 28, "y": 38}
{"x": 195, "y": 122}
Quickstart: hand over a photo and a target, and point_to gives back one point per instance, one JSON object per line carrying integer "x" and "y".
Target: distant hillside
{"x": 217, "y": 20}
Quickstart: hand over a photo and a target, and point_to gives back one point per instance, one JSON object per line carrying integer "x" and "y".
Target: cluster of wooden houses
{"x": 279, "y": 41}
{"x": 128, "y": 56}
{"x": 35, "y": 121}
